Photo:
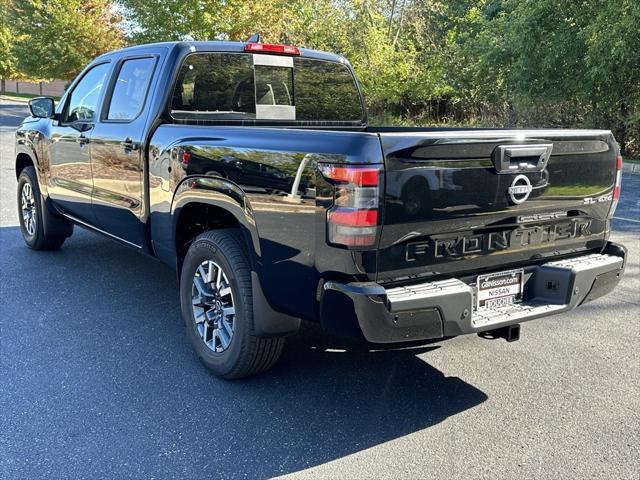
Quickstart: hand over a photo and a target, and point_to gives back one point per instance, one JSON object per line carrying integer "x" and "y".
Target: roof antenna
{"x": 255, "y": 38}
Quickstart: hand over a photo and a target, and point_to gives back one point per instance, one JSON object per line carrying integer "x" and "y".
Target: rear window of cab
{"x": 223, "y": 87}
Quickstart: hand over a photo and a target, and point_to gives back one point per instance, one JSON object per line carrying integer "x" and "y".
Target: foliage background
{"x": 512, "y": 63}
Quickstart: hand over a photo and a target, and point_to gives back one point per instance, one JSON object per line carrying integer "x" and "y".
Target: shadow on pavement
{"x": 98, "y": 377}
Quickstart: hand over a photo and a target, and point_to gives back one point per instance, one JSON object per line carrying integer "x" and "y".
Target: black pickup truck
{"x": 251, "y": 169}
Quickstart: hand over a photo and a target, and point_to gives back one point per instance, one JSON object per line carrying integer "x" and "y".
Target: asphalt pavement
{"x": 98, "y": 381}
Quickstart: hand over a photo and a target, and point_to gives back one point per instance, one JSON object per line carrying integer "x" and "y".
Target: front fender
{"x": 26, "y": 145}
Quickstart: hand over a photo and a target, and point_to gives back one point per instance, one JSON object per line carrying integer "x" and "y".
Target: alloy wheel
{"x": 28, "y": 207}
{"x": 213, "y": 307}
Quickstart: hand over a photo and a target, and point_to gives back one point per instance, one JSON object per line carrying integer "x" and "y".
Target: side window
{"x": 83, "y": 100}
{"x": 130, "y": 90}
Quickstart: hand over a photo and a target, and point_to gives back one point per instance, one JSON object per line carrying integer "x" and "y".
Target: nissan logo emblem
{"x": 520, "y": 189}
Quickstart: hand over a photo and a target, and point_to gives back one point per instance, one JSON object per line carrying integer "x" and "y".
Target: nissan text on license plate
{"x": 498, "y": 289}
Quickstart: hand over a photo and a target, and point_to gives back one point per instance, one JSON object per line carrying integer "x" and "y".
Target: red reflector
{"x": 354, "y": 218}
{"x": 616, "y": 192}
{"x": 619, "y": 162}
{"x": 271, "y": 48}
{"x": 363, "y": 177}
{"x": 186, "y": 158}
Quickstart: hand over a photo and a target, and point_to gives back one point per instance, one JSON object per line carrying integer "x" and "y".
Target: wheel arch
{"x": 23, "y": 160}
{"x": 205, "y": 203}
{"x": 221, "y": 200}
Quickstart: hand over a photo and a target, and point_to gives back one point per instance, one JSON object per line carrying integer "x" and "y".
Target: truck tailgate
{"x": 472, "y": 200}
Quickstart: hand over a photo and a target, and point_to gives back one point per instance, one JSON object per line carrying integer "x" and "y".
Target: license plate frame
{"x": 499, "y": 285}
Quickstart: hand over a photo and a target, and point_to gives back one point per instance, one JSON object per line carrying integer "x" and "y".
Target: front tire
{"x": 41, "y": 230}
{"x": 217, "y": 307}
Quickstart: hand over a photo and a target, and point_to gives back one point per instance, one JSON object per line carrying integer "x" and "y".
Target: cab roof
{"x": 218, "y": 46}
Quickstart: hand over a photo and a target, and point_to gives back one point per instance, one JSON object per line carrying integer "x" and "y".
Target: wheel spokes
{"x": 201, "y": 316}
{"x": 202, "y": 288}
{"x": 210, "y": 269}
{"x": 27, "y": 204}
{"x": 224, "y": 337}
{"x": 212, "y": 305}
{"x": 219, "y": 279}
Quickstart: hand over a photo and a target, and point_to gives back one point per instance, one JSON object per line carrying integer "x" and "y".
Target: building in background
{"x": 53, "y": 89}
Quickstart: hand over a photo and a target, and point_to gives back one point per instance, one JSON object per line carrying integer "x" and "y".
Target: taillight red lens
{"x": 617, "y": 186}
{"x": 271, "y": 48}
{"x": 186, "y": 158}
{"x": 616, "y": 189}
{"x": 353, "y": 219}
{"x": 360, "y": 176}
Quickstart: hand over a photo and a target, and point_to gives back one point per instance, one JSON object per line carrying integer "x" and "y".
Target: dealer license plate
{"x": 498, "y": 289}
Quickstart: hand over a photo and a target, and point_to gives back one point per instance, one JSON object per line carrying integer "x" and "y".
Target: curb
{"x": 632, "y": 168}
{"x": 9, "y": 98}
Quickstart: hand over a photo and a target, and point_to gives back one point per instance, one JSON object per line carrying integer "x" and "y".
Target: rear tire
{"x": 216, "y": 280}
{"x": 41, "y": 230}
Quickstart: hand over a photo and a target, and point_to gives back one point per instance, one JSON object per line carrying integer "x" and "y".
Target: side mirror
{"x": 42, "y": 107}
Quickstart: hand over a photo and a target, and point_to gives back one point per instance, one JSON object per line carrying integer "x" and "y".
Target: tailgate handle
{"x": 521, "y": 158}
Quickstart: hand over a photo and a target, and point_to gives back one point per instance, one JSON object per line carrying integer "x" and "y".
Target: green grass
{"x": 22, "y": 96}
{"x": 574, "y": 190}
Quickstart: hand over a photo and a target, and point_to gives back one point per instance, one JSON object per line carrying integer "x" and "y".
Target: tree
{"x": 57, "y": 38}
{"x": 612, "y": 41}
{"x": 8, "y": 67}
{"x": 548, "y": 62}
{"x": 372, "y": 34}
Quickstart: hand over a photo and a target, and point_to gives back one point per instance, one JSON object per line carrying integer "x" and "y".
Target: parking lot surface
{"x": 98, "y": 381}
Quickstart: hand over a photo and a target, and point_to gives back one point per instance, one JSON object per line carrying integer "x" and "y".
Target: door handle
{"x": 518, "y": 158}
{"x": 82, "y": 140}
{"x": 129, "y": 145}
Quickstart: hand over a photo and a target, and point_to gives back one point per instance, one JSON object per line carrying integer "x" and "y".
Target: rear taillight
{"x": 618, "y": 184}
{"x": 353, "y": 219}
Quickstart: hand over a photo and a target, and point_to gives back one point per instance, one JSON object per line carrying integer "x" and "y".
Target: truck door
{"x": 70, "y": 182}
{"x": 117, "y": 156}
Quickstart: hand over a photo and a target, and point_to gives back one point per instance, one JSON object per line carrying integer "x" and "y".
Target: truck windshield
{"x": 235, "y": 86}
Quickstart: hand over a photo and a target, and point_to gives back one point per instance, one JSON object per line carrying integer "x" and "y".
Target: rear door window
{"x": 130, "y": 89}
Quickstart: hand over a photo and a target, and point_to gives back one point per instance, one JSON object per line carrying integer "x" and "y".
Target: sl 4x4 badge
{"x": 608, "y": 197}
{"x": 520, "y": 189}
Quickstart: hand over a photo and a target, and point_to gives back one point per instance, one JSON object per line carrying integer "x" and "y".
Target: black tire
{"x": 247, "y": 354}
{"x": 49, "y": 231}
